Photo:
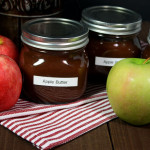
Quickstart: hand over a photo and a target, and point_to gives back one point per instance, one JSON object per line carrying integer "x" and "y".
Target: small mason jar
{"x": 53, "y": 60}
{"x": 113, "y": 35}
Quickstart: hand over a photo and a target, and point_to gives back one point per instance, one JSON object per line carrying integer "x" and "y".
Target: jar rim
{"x": 112, "y": 20}
{"x": 54, "y": 34}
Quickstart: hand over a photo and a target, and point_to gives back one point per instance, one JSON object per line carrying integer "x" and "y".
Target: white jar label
{"x": 54, "y": 81}
{"x": 105, "y": 61}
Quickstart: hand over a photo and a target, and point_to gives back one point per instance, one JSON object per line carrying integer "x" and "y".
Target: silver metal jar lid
{"x": 54, "y": 34}
{"x": 111, "y": 20}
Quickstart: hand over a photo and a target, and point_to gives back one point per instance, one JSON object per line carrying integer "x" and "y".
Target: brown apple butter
{"x": 113, "y": 35}
{"x": 53, "y": 60}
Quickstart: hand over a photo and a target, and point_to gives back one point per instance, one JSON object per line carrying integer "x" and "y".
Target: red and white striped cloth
{"x": 47, "y": 126}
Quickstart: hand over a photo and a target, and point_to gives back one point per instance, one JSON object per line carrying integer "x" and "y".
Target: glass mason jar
{"x": 53, "y": 60}
{"x": 113, "y": 35}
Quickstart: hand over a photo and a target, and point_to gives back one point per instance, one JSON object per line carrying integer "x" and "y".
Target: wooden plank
{"x": 96, "y": 139}
{"x": 10, "y": 141}
{"x": 128, "y": 137}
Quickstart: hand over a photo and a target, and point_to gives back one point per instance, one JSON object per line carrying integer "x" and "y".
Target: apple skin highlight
{"x": 128, "y": 89}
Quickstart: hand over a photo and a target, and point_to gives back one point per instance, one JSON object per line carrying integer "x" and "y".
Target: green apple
{"x": 128, "y": 89}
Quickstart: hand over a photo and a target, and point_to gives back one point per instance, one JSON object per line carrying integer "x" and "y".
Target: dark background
{"x": 73, "y": 8}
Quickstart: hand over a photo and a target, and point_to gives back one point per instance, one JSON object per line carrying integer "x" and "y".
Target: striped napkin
{"x": 47, "y": 126}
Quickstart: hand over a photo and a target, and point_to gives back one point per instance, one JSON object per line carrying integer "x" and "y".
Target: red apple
{"x": 8, "y": 47}
{"x": 10, "y": 82}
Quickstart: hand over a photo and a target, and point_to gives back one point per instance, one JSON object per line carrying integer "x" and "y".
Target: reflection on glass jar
{"x": 54, "y": 63}
{"x": 146, "y": 51}
{"x": 113, "y": 36}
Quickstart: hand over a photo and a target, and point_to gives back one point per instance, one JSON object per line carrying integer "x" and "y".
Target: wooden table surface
{"x": 114, "y": 135}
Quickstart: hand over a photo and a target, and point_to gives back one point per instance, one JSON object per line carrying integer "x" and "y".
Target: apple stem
{"x": 1, "y": 41}
{"x": 146, "y": 60}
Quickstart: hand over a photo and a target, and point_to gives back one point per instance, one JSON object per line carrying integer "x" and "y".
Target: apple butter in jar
{"x": 53, "y": 60}
{"x": 113, "y": 35}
